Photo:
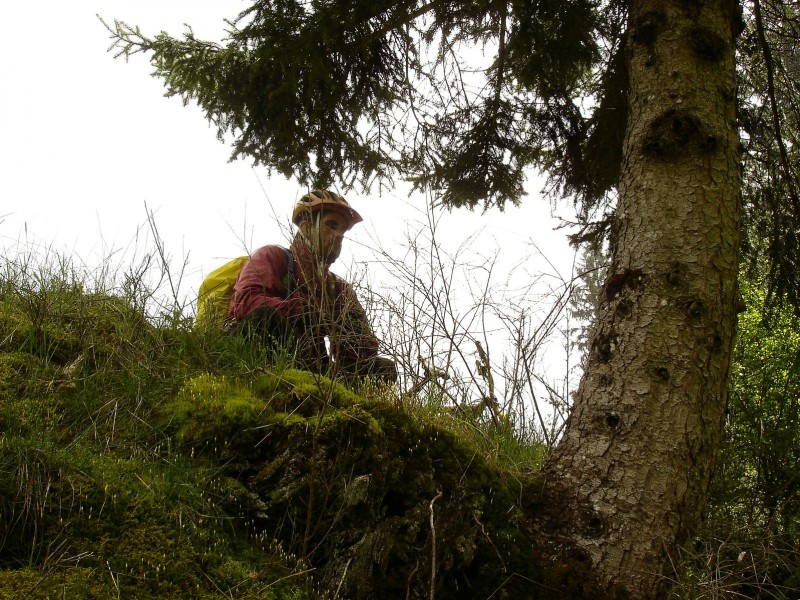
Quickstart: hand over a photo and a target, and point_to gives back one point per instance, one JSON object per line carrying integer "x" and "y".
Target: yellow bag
{"x": 216, "y": 290}
{"x": 215, "y": 294}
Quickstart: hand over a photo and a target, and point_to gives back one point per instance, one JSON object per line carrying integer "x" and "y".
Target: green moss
{"x": 16, "y": 329}
{"x": 133, "y": 468}
{"x": 18, "y": 371}
{"x": 348, "y": 484}
{"x": 25, "y": 398}
{"x": 61, "y": 582}
{"x": 142, "y": 531}
{"x": 294, "y": 391}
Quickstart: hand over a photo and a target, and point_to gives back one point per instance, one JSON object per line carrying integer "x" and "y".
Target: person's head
{"x": 323, "y": 218}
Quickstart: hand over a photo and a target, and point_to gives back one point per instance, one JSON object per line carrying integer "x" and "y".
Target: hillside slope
{"x": 150, "y": 461}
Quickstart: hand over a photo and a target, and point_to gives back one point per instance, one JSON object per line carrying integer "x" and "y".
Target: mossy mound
{"x": 143, "y": 459}
{"x": 374, "y": 499}
{"x": 80, "y": 525}
{"x": 94, "y": 503}
{"x": 62, "y": 325}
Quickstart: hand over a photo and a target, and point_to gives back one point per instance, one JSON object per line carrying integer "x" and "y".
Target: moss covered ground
{"x": 374, "y": 497}
{"x": 140, "y": 459}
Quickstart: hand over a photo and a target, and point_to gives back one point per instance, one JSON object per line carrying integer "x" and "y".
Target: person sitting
{"x": 290, "y": 299}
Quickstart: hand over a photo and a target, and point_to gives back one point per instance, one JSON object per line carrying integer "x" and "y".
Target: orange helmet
{"x": 324, "y": 200}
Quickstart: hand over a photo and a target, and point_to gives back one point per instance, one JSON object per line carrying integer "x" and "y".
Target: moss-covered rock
{"x": 97, "y": 526}
{"x": 373, "y": 499}
{"x": 129, "y": 467}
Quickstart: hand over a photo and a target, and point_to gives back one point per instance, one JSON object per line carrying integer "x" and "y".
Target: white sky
{"x": 87, "y": 140}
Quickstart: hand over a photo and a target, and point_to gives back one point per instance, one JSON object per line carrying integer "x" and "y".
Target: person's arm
{"x": 353, "y": 344}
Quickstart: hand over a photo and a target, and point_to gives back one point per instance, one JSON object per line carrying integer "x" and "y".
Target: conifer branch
{"x": 769, "y": 64}
{"x": 398, "y": 22}
{"x": 501, "y": 55}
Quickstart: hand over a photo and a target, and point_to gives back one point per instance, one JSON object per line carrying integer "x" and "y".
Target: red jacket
{"x": 322, "y": 304}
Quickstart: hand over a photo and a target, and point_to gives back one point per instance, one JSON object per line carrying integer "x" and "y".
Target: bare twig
{"x": 341, "y": 581}
{"x": 164, "y": 258}
{"x": 433, "y": 546}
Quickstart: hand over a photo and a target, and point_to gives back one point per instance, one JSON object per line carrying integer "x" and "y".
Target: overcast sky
{"x": 88, "y": 140}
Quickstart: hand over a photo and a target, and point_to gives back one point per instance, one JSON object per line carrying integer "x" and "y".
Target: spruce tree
{"x": 626, "y": 104}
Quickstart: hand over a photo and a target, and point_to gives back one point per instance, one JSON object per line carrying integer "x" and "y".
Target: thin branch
{"x": 433, "y": 546}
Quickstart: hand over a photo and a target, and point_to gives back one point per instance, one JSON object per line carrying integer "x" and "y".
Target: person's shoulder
{"x": 269, "y": 252}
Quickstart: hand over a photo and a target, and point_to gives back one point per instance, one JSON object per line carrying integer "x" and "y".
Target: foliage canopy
{"x": 351, "y": 92}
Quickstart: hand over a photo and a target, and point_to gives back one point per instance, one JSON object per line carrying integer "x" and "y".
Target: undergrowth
{"x": 95, "y": 501}
{"x": 142, "y": 459}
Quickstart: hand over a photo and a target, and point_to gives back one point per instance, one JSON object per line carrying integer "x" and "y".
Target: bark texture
{"x": 629, "y": 479}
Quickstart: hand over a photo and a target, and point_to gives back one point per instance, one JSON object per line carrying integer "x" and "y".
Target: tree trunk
{"x": 628, "y": 482}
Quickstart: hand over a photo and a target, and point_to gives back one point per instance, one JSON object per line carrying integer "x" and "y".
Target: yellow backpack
{"x": 216, "y": 290}
{"x": 215, "y": 294}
